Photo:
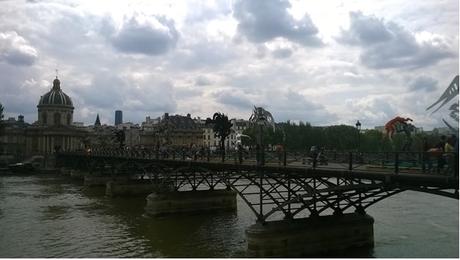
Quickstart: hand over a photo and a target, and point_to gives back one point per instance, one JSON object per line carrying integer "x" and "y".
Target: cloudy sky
{"x": 323, "y": 62}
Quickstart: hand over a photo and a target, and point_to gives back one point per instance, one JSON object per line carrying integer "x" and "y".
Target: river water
{"x": 52, "y": 216}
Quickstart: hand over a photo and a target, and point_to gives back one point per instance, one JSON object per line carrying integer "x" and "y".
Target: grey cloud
{"x": 15, "y": 50}
{"x": 289, "y": 105}
{"x": 203, "y": 54}
{"x": 262, "y": 21}
{"x": 365, "y": 30}
{"x": 261, "y": 51}
{"x": 138, "y": 98}
{"x": 282, "y": 53}
{"x": 155, "y": 37}
{"x": 202, "y": 81}
{"x": 423, "y": 83}
{"x": 374, "y": 110}
{"x": 108, "y": 91}
{"x": 20, "y": 92}
{"x": 104, "y": 91}
{"x": 233, "y": 98}
{"x": 186, "y": 92}
{"x": 388, "y": 45}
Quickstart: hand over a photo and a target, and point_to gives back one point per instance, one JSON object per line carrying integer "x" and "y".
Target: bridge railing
{"x": 393, "y": 162}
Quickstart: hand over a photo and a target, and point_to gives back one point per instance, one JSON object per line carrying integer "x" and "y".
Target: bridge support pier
{"x": 101, "y": 181}
{"x": 129, "y": 188}
{"x": 174, "y": 202}
{"x": 65, "y": 171}
{"x": 310, "y": 236}
{"x": 77, "y": 175}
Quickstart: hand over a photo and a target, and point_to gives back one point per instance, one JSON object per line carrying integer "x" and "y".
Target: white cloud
{"x": 15, "y": 50}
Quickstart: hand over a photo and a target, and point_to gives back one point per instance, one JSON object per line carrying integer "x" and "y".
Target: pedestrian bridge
{"x": 303, "y": 206}
{"x": 286, "y": 185}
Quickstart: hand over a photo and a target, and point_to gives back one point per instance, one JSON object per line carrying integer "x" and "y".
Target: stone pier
{"x": 65, "y": 171}
{"x": 129, "y": 188}
{"x": 174, "y": 202}
{"x": 310, "y": 236}
{"x": 77, "y": 175}
{"x": 101, "y": 181}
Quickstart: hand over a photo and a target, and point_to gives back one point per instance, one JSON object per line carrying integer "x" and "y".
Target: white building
{"x": 231, "y": 142}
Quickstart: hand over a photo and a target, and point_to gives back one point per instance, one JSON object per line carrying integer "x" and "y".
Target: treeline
{"x": 301, "y": 137}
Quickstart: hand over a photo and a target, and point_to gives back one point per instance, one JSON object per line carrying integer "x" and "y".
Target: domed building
{"x": 55, "y": 108}
{"x": 54, "y": 129}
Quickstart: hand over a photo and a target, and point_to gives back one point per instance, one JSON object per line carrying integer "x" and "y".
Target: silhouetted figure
{"x": 440, "y": 146}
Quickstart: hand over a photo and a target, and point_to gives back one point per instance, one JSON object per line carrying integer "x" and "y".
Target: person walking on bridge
{"x": 441, "y": 146}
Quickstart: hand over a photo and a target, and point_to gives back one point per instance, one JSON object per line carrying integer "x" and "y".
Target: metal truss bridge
{"x": 286, "y": 185}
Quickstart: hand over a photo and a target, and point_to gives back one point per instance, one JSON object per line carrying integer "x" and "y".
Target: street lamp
{"x": 358, "y": 127}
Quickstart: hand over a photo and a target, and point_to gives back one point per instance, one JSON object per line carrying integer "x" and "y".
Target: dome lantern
{"x": 56, "y": 84}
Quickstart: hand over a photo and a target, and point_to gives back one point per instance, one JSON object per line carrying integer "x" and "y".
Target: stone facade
{"x": 172, "y": 131}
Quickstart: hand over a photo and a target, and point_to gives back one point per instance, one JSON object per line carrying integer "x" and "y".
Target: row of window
{"x": 208, "y": 137}
{"x": 57, "y": 118}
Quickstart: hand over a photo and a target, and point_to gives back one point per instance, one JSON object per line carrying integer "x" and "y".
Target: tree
{"x": 222, "y": 128}
{"x": 1, "y": 112}
{"x": 1, "y": 127}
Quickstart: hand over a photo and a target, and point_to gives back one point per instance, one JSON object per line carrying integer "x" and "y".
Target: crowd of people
{"x": 444, "y": 153}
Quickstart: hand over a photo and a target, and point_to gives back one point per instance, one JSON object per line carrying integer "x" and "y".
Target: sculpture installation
{"x": 261, "y": 117}
{"x": 450, "y": 93}
{"x": 398, "y": 125}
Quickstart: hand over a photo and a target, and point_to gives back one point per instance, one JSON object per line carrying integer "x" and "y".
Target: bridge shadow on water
{"x": 187, "y": 235}
{"x": 191, "y": 235}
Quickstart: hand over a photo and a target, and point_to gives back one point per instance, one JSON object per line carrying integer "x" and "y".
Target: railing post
{"x": 422, "y": 159}
{"x": 396, "y": 162}
{"x": 315, "y": 160}
{"x": 262, "y": 155}
{"x": 455, "y": 165}
{"x": 289, "y": 216}
{"x": 284, "y": 157}
{"x": 386, "y": 159}
{"x": 240, "y": 155}
{"x": 350, "y": 161}
{"x": 261, "y": 206}
{"x": 314, "y": 212}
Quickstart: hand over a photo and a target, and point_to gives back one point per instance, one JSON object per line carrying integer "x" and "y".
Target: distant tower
{"x": 118, "y": 117}
{"x": 98, "y": 122}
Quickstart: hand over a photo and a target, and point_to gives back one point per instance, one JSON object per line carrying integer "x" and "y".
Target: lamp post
{"x": 358, "y": 127}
